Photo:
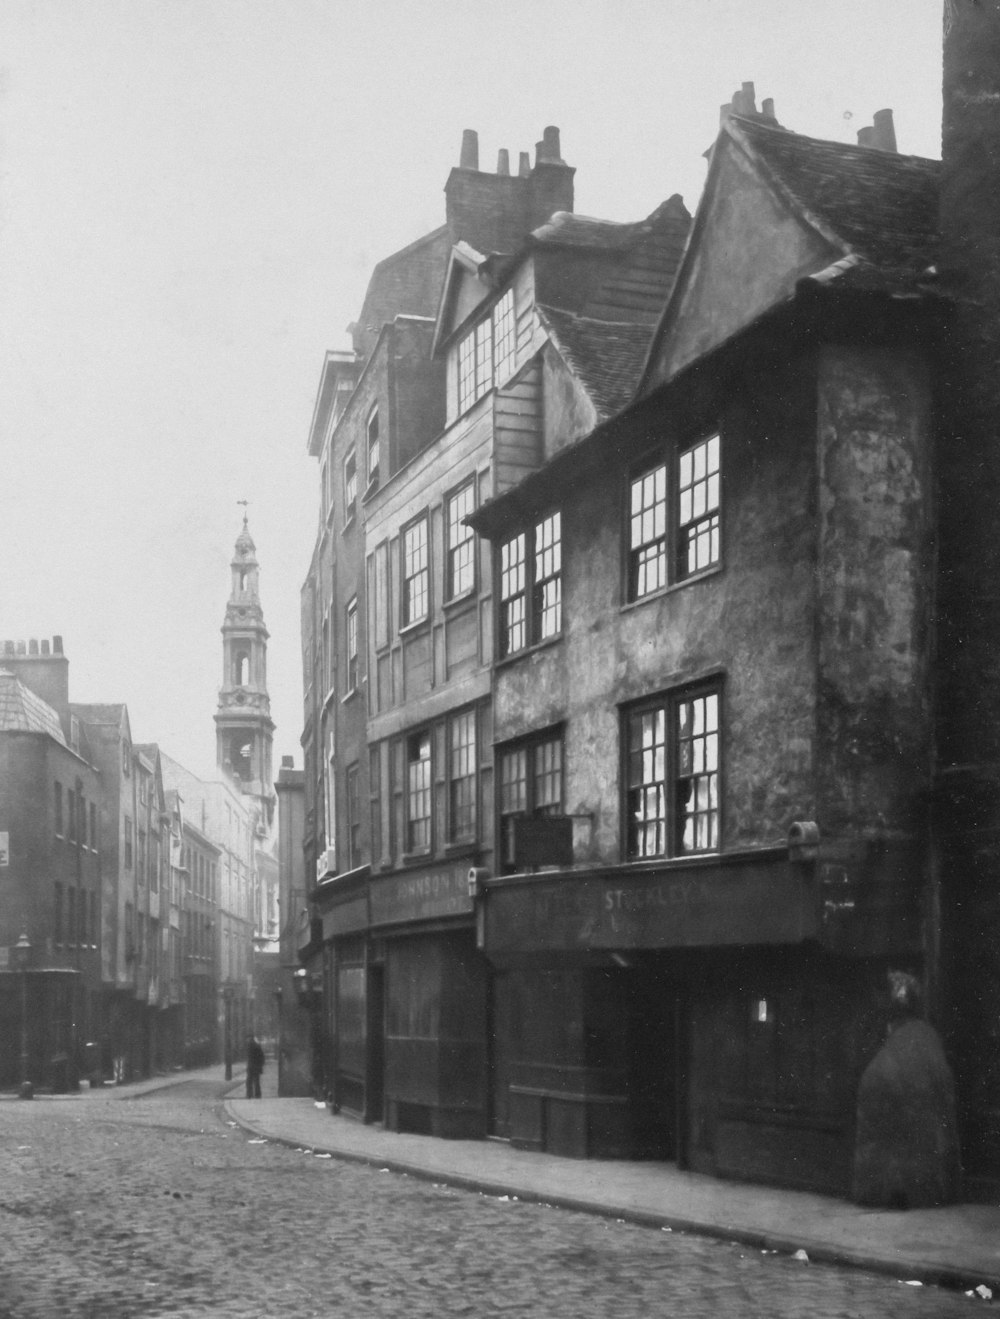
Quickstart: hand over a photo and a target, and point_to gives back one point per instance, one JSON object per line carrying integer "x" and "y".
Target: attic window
{"x": 486, "y": 355}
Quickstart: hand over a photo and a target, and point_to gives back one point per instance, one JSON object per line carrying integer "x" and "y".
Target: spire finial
{"x": 246, "y": 504}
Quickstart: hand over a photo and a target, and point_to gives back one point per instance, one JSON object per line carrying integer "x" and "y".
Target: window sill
{"x": 421, "y": 624}
{"x": 671, "y": 588}
{"x": 348, "y": 524}
{"x": 458, "y": 601}
{"x": 415, "y": 858}
{"x": 533, "y": 649}
{"x": 349, "y": 696}
{"x": 463, "y": 847}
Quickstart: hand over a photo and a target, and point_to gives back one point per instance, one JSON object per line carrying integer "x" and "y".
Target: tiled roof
{"x": 21, "y": 711}
{"x": 98, "y": 714}
{"x": 607, "y": 357}
{"x": 571, "y": 230}
{"x": 882, "y": 206}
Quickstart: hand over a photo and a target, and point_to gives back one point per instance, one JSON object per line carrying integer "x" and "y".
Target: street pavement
{"x": 154, "y": 1199}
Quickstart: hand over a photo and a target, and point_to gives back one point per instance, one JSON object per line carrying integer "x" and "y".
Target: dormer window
{"x": 486, "y": 355}
{"x": 373, "y": 446}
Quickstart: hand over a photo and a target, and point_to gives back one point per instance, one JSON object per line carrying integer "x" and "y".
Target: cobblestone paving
{"x": 114, "y": 1208}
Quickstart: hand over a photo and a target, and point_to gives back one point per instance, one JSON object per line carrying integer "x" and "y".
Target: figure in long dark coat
{"x": 906, "y": 1152}
{"x": 255, "y": 1065}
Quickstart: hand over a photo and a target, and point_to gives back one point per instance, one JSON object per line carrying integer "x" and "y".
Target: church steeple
{"x": 243, "y": 723}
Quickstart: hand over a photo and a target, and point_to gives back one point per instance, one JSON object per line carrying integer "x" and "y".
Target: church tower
{"x": 243, "y": 724}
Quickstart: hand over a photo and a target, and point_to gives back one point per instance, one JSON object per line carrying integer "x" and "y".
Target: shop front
{"x": 408, "y": 991}
{"x": 701, "y": 1011}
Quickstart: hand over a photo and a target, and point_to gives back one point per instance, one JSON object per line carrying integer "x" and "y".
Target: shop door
{"x": 653, "y": 1065}
{"x": 503, "y": 1040}
{"x": 375, "y": 1087}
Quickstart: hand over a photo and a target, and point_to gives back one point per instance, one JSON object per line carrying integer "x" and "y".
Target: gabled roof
{"x": 408, "y": 282}
{"x": 21, "y": 711}
{"x": 606, "y": 356}
{"x": 857, "y": 217}
{"x": 99, "y": 714}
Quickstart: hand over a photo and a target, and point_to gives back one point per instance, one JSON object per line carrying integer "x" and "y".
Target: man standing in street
{"x": 255, "y": 1065}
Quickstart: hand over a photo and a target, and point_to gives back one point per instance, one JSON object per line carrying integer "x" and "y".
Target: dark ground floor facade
{"x": 718, "y": 1014}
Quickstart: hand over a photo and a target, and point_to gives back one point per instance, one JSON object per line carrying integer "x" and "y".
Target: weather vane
{"x": 246, "y": 504}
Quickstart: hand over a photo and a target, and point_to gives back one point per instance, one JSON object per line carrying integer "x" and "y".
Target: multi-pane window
{"x": 416, "y": 574}
{"x": 698, "y": 507}
{"x": 531, "y": 586}
{"x": 462, "y": 775}
{"x": 57, "y": 913}
{"x": 70, "y": 915}
{"x": 418, "y": 793}
{"x": 648, "y": 532}
{"x": 673, "y": 776}
{"x": 350, "y": 486}
{"x": 351, "y": 636}
{"x": 57, "y": 803}
{"x": 128, "y": 842}
{"x": 461, "y": 561}
{"x": 530, "y": 784}
{"x": 487, "y": 354}
{"x": 353, "y": 818}
{"x": 504, "y": 337}
{"x": 140, "y": 860}
{"x": 93, "y": 827}
{"x": 373, "y": 446}
{"x": 674, "y": 506}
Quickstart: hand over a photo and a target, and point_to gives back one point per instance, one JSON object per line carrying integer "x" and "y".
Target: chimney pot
{"x": 22, "y": 648}
{"x": 883, "y": 131}
{"x": 45, "y": 646}
{"x": 57, "y": 648}
{"x": 33, "y": 647}
{"x": 503, "y": 162}
{"x": 724, "y": 112}
{"x": 767, "y": 107}
{"x": 287, "y": 762}
{"x": 469, "y": 158}
{"x": 550, "y": 145}
{"x": 524, "y": 164}
{"x": 865, "y": 136}
{"x": 743, "y": 100}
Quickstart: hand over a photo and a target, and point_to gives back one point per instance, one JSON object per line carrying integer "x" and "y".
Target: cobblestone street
{"x": 116, "y": 1207}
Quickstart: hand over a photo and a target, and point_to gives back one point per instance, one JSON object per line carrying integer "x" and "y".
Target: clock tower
{"x": 243, "y": 724}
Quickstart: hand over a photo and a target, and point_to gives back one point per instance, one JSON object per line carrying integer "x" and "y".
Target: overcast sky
{"x": 192, "y": 195}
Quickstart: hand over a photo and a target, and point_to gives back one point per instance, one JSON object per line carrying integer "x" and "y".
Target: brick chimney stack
{"x": 496, "y": 212}
{"x": 43, "y": 670}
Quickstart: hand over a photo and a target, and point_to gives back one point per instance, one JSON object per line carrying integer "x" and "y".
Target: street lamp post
{"x": 22, "y": 950}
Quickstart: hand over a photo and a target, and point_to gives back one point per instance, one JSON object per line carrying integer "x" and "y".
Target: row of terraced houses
{"x": 651, "y": 698}
{"x": 136, "y": 899}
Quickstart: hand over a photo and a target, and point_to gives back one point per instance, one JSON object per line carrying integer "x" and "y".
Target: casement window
{"x": 674, "y": 519}
{"x": 57, "y": 804}
{"x": 350, "y": 486}
{"x": 416, "y": 572}
{"x": 460, "y": 563}
{"x": 462, "y": 776}
{"x": 71, "y": 815}
{"x": 351, "y": 642}
{"x": 373, "y": 446}
{"x": 531, "y": 774}
{"x": 531, "y": 586}
{"x": 487, "y": 354}
{"x": 672, "y": 775}
{"x": 418, "y": 792}
{"x": 353, "y": 817}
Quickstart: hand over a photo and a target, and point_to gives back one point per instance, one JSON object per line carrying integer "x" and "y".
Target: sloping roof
{"x": 98, "y": 714}
{"x": 568, "y": 229}
{"x": 607, "y": 357}
{"x": 879, "y": 205}
{"x": 408, "y": 282}
{"x": 21, "y": 711}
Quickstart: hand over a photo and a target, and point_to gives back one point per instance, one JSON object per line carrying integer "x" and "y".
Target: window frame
{"x": 468, "y": 759}
{"x": 352, "y": 813}
{"x": 467, "y": 541}
{"x": 531, "y": 582}
{"x": 675, "y": 817}
{"x": 372, "y": 444}
{"x": 673, "y": 534}
{"x": 351, "y": 646}
{"x": 419, "y": 828}
{"x": 422, "y": 573}
{"x": 478, "y": 368}
{"x": 530, "y": 748}
{"x": 350, "y": 483}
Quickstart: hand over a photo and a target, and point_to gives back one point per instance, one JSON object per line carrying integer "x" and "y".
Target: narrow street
{"x": 120, "y": 1207}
